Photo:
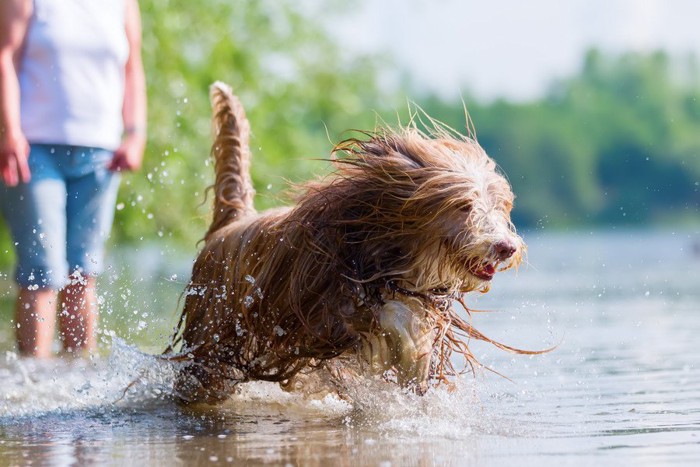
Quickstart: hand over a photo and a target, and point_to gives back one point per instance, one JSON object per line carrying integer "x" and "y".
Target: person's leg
{"x": 92, "y": 194}
{"x": 78, "y": 314}
{"x": 35, "y": 214}
{"x": 35, "y": 321}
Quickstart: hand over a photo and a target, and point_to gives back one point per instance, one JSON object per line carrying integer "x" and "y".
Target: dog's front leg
{"x": 405, "y": 343}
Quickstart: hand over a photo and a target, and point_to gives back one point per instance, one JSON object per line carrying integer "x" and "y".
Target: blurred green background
{"x": 615, "y": 143}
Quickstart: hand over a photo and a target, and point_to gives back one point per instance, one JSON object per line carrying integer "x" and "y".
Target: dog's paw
{"x": 332, "y": 377}
{"x": 404, "y": 344}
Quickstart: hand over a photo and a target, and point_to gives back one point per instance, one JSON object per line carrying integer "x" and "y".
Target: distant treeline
{"x": 619, "y": 143}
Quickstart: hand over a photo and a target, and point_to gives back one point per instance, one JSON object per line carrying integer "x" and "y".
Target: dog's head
{"x": 436, "y": 202}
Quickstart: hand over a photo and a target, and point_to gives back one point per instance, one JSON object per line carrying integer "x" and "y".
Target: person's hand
{"x": 14, "y": 155}
{"x": 129, "y": 155}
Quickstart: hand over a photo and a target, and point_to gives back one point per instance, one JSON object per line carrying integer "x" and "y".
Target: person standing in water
{"x": 72, "y": 116}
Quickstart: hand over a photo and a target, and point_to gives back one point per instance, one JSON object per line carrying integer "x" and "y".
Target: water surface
{"x": 621, "y": 387}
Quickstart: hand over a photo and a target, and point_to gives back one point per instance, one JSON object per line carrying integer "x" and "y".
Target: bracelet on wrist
{"x": 135, "y": 130}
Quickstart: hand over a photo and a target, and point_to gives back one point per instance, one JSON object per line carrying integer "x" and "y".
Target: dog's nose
{"x": 504, "y": 249}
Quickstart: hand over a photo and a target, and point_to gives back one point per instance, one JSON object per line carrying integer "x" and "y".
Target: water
{"x": 621, "y": 387}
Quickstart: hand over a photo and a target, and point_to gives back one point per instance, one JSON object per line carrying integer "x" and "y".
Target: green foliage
{"x": 300, "y": 91}
{"x": 619, "y": 143}
{"x": 292, "y": 78}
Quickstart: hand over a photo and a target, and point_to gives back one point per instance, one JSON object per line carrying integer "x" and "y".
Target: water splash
{"x": 34, "y": 387}
{"x": 129, "y": 378}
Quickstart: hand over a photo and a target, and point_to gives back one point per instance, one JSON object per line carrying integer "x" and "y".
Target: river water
{"x": 621, "y": 386}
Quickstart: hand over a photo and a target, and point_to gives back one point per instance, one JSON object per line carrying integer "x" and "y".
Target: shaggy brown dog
{"x": 359, "y": 277}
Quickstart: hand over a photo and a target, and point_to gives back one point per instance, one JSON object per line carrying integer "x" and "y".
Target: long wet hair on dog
{"x": 364, "y": 270}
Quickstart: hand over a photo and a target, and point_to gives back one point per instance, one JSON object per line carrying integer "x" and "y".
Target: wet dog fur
{"x": 360, "y": 276}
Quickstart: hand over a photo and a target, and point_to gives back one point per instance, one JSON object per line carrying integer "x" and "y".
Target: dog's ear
{"x": 465, "y": 207}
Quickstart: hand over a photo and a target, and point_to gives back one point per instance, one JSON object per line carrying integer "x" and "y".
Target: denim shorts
{"x": 60, "y": 220}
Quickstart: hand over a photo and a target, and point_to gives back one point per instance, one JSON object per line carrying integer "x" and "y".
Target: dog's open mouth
{"x": 484, "y": 271}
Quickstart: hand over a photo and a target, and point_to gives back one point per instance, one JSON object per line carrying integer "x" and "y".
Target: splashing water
{"x": 622, "y": 382}
{"x": 32, "y": 387}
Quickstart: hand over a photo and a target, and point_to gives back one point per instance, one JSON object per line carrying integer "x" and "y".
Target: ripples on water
{"x": 622, "y": 385}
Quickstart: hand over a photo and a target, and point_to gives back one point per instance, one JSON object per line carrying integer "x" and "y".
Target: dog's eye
{"x": 465, "y": 207}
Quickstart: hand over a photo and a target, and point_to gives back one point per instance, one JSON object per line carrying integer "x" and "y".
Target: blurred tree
{"x": 295, "y": 82}
{"x": 619, "y": 143}
{"x": 299, "y": 88}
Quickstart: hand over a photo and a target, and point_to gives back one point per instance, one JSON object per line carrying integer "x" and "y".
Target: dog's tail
{"x": 233, "y": 188}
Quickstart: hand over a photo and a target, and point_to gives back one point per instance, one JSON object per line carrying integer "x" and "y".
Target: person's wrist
{"x": 9, "y": 133}
{"x": 14, "y": 141}
{"x": 135, "y": 136}
{"x": 135, "y": 130}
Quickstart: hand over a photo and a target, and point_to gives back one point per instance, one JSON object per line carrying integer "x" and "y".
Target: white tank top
{"x": 72, "y": 73}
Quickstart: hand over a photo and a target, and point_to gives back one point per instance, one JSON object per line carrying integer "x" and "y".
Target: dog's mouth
{"x": 483, "y": 271}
